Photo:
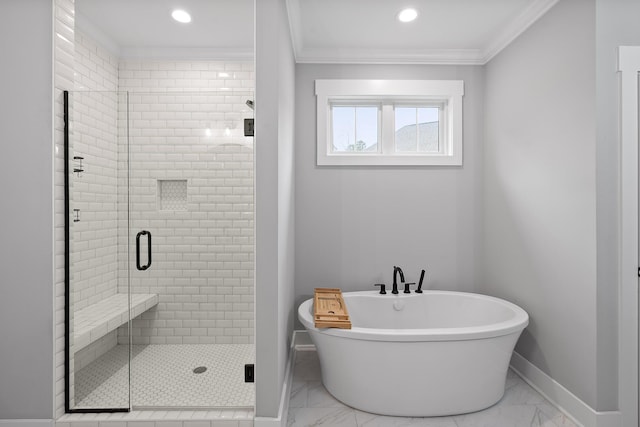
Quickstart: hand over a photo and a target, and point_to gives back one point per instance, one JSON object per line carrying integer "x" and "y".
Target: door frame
{"x": 629, "y": 72}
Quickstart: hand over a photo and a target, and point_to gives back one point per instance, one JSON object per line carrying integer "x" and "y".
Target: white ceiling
{"x": 325, "y": 31}
{"x": 144, "y": 28}
{"x": 446, "y": 31}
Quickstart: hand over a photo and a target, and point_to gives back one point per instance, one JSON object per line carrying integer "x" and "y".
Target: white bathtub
{"x": 431, "y": 354}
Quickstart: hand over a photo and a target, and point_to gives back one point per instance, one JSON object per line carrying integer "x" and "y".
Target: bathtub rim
{"x": 516, "y": 324}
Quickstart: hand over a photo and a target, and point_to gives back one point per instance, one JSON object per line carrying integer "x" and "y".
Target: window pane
{"x": 406, "y": 130}
{"x": 417, "y": 129}
{"x": 366, "y": 129}
{"x": 355, "y": 129}
{"x": 428, "y": 130}
{"x": 405, "y": 117}
{"x": 344, "y": 128}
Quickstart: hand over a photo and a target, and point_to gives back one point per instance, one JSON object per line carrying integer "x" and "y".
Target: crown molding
{"x": 480, "y": 56}
{"x": 516, "y": 27}
{"x": 390, "y": 56}
{"x": 295, "y": 26}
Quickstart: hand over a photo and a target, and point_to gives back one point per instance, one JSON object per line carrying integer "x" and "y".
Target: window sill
{"x": 360, "y": 159}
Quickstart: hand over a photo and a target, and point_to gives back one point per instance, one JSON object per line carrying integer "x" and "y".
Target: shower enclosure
{"x": 160, "y": 241}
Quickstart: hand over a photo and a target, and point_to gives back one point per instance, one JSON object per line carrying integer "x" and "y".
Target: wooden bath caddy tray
{"x": 329, "y": 309}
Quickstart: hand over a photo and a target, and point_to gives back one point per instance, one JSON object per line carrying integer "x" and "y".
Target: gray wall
{"x": 353, "y": 224}
{"x": 539, "y": 196}
{"x": 616, "y": 25}
{"x": 274, "y": 194}
{"x": 26, "y": 233}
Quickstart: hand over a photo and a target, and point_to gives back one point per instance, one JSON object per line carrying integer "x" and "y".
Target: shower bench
{"x": 97, "y": 320}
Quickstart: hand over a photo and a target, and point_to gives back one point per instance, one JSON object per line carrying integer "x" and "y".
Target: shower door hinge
{"x": 249, "y": 372}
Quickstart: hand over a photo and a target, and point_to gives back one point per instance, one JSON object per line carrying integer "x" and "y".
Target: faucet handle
{"x": 382, "y": 290}
{"x": 406, "y": 287}
{"x": 419, "y": 290}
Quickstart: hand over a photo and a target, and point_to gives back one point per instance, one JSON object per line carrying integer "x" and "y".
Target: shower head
{"x": 250, "y": 103}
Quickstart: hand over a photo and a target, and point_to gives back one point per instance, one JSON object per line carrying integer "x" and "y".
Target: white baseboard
{"x": 302, "y": 340}
{"x": 267, "y": 422}
{"x": 558, "y": 395}
{"x": 283, "y": 411}
{"x": 26, "y": 423}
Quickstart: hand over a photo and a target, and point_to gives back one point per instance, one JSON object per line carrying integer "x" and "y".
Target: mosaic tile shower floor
{"x": 162, "y": 376}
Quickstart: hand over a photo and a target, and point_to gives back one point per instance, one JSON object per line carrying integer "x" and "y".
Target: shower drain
{"x": 199, "y": 369}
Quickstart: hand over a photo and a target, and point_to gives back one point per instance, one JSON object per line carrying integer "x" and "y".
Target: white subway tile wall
{"x": 93, "y": 148}
{"x": 94, "y": 137}
{"x": 63, "y": 57}
{"x": 186, "y": 128}
{"x": 94, "y": 350}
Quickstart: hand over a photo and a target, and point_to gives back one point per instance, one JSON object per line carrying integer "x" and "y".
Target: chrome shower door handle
{"x": 148, "y": 264}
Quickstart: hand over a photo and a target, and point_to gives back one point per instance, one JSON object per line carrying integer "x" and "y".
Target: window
{"x": 354, "y": 128}
{"x": 417, "y": 129}
{"x": 389, "y": 122}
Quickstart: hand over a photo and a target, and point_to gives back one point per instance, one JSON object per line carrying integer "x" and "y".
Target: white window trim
{"x": 449, "y": 91}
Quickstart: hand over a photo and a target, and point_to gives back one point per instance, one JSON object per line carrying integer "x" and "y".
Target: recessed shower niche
{"x": 172, "y": 194}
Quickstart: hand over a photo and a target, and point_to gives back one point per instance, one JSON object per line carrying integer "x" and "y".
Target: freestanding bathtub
{"x": 431, "y": 354}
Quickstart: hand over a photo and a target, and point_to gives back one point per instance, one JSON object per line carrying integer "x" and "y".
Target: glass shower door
{"x": 97, "y": 365}
{"x": 191, "y": 216}
{"x": 160, "y": 250}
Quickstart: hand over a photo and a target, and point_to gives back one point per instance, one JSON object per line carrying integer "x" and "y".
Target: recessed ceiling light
{"x": 407, "y": 15}
{"x": 181, "y": 16}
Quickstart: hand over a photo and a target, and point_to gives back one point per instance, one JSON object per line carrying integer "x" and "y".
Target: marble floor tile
{"x": 508, "y": 416}
{"x": 319, "y": 397}
{"x": 299, "y": 393}
{"x": 556, "y": 415}
{"x": 326, "y": 417}
{"x": 307, "y": 366}
{"x": 365, "y": 419}
{"x": 520, "y": 393}
{"x": 512, "y": 379}
{"x": 312, "y": 405}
